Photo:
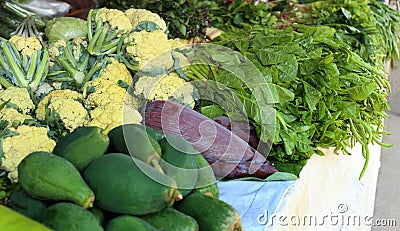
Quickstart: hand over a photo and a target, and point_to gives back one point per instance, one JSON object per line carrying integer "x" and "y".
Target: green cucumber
{"x": 211, "y": 213}
{"x": 170, "y": 219}
{"x": 133, "y": 139}
{"x": 70, "y": 217}
{"x": 27, "y": 206}
{"x": 82, "y": 146}
{"x": 127, "y": 222}
{"x": 127, "y": 185}
{"x": 206, "y": 182}
{"x": 46, "y": 176}
{"x": 180, "y": 162}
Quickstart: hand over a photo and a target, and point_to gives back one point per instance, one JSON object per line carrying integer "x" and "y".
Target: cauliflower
{"x": 165, "y": 87}
{"x": 12, "y": 115}
{"x": 112, "y": 115}
{"x": 19, "y": 97}
{"x": 116, "y": 19}
{"x": 66, "y": 103}
{"x": 26, "y": 45}
{"x": 137, "y": 16}
{"x": 104, "y": 92}
{"x": 116, "y": 71}
{"x": 16, "y": 148}
{"x": 55, "y": 50}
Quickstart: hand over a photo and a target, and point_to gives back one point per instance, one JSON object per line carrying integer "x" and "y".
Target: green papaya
{"x": 127, "y": 222}
{"x": 82, "y": 146}
{"x": 206, "y": 182}
{"x": 13, "y": 221}
{"x": 157, "y": 135}
{"x": 45, "y": 176}
{"x": 70, "y": 217}
{"x": 126, "y": 185}
{"x": 211, "y": 213}
{"x": 28, "y": 206}
{"x": 180, "y": 162}
{"x": 170, "y": 219}
{"x": 98, "y": 213}
{"x": 133, "y": 139}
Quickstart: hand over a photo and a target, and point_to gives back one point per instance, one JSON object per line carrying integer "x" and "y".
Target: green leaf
{"x": 212, "y": 111}
{"x": 288, "y": 69}
{"x": 361, "y": 92}
{"x": 312, "y": 96}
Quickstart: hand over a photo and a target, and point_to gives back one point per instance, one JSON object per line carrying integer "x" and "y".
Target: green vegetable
{"x": 70, "y": 217}
{"x": 180, "y": 162}
{"x": 133, "y": 139}
{"x": 15, "y": 221}
{"x": 211, "y": 214}
{"x": 126, "y": 222}
{"x": 28, "y": 206}
{"x": 126, "y": 185}
{"x": 206, "y": 183}
{"x": 170, "y": 219}
{"x": 82, "y": 146}
{"x": 46, "y": 176}
{"x": 65, "y": 28}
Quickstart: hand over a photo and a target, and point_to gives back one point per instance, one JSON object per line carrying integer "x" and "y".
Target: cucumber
{"x": 170, "y": 219}
{"x": 133, "y": 139}
{"x": 211, "y": 213}
{"x": 82, "y": 146}
{"x": 127, "y": 222}
{"x": 126, "y": 185}
{"x": 14, "y": 221}
{"x": 27, "y": 206}
{"x": 46, "y": 176}
{"x": 206, "y": 182}
{"x": 70, "y": 217}
{"x": 180, "y": 162}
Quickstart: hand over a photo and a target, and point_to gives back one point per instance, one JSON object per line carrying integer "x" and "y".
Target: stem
{"x": 41, "y": 71}
{"x": 5, "y": 83}
{"x": 32, "y": 66}
{"x": 16, "y": 70}
{"x": 98, "y": 49}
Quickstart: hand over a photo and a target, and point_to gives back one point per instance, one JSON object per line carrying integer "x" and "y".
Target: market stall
{"x": 193, "y": 115}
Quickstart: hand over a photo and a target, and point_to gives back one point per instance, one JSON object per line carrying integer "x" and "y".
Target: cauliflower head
{"x": 12, "y": 115}
{"x": 149, "y": 45}
{"x": 116, "y": 71}
{"x": 19, "y": 97}
{"x": 16, "y": 148}
{"x": 116, "y": 19}
{"x": 112, "y": 115}
{"x": 67, "y": 105}
{"x": 137, "y": 16}
{"x": 26, "y": 45}
{"x": 165, "y": 87}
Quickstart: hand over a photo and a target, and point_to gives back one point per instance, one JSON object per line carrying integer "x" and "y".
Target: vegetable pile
{"x": 94, "y": 181}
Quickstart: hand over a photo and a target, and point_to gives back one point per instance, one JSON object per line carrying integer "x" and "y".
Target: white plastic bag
{"x": 47, "y": 8}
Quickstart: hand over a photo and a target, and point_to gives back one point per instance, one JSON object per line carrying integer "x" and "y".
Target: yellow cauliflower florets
{"x": 54, "y": 50}
{"x": 149, "y": 45}
{"x": 141, "y": 15}
{"x": 26, "y": 45}
{"x": 164, "y": 87}
{"x": 116, "y": 71}
{"x": 105, "y": 92}
{"x": 116, "y": 19}
{"x": 11, "y": 115}
{"x": 65, "y": 103}
{"x": 114, "y": 114}
{"x": 16, "y": 148}
{"x": 20, "y": 97}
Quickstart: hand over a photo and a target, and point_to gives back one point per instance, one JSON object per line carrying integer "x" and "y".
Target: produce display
{"x": 126, "y": 118}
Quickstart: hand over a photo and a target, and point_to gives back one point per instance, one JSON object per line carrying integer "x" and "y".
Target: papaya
{"x": 13, "y": 221}
{"x": 126, "y": 185}
{"x": 180, "y": 162}
{"x": 82, "y": 146}
{"x": 65, "y": 216}
{"x": 211, "y": 213}
{"x": 127, "y": 222}
{"x": 98, "y": 213}
{"x": 170, "y": 219}
{"x": 27, "y": 206}
{"x": 206, "y": 182}
{"x": 45, "y": 176}
{"x": 133, "y": 139}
